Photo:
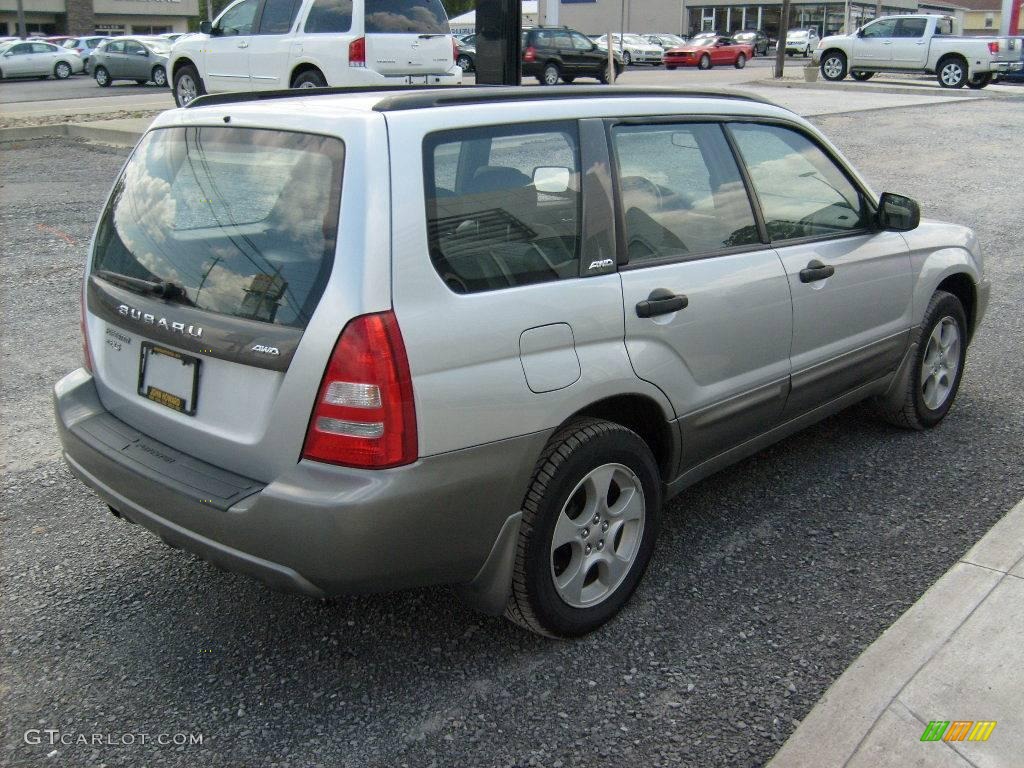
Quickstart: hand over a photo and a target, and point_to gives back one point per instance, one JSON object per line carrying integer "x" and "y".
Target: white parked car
{"x": 634, "y": 49}
{"x": 315, "y": 44}
{"x": 802, "y": 41}
{"x": 35, "y": 58}
{"x": 918, "y": 43}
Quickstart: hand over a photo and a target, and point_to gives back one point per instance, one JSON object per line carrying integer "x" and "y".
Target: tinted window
{"x": 420, "y": 16}
{"x": 114, "y": 47}
{"x": 489, "y": 227}
{"x": 329, "y": 16}
{"x": 581, "y": 43}
{"x": 43, "y": 48}
{"x": 681, "y": 191}
{"x": 238, "y": 19}
{"x": 133, "y": 48}
{"x": 801, "y": 190}
{"x": 246, "y": 220}
{"x": 883, "y": 28}
{"x": 911, "y": 27}
{"x": 278, "y": 16}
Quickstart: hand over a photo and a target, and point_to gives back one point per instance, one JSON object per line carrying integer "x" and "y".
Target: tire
{"x": 551, "y": 74}
{"x": 187, "y": 85}
{"x": 937, "y": 368}
{"x": 62, "y": 70}
{"x": 311, "y": 78}
{"x": 601, "y": 561}
{"x": 159, "y": 76}
{"x": 862, "y": 76}
{"x": 833, "y": 66}
{"x": 627, "y": 58}
{"x": 568, "y": 78}
{"x": 141, "y": 82}
{"x": 741, "y": 61}
{"x": 978, "y": 82}
{"x": 102, "y": 77}
{"x": 705, "y": 62}
{"x": 464, "y": 62}
{"x": 952, "y": 72}
{"x": 670, "y": 66}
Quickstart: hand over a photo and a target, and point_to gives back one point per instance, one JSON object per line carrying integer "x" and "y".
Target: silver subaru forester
{"x": 371, "y": 341}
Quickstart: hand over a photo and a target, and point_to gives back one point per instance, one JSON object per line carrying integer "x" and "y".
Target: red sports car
{"x": 705, "y": 52}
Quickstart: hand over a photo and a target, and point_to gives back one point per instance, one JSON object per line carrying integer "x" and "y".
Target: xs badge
{"x": 600, "y": 264}
{"x": 265, "y": 350}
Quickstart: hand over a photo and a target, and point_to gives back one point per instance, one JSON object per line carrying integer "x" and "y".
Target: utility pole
{"x": 22, "y": 28}
{"x": 780, "y": 47}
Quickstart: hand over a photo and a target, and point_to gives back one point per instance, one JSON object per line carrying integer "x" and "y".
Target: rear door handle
{"x": 816, "y": 271}
{"x": 243, "y": 44}
{"x": 661, "y": 302}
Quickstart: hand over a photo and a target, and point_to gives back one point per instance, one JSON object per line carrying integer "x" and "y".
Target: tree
{"x": 457, "y": 7}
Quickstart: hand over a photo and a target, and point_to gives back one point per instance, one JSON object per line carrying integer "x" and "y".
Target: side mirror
{"x": 859, "y": 33}
{"x": 206, "y": 27}
{"x": 551, "y": 179}
{"x": 144, "y": 54}
{"x": 897, "y": 213}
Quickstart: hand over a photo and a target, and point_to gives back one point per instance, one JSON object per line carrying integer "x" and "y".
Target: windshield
{"x": 161, "y": 47}
{"x": 797, "y": 34}
{"x": 244, "y": 220}
{"x": 635, "y": 40}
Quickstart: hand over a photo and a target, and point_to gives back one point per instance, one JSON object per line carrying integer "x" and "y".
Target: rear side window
{"x": 404, "y": 16}
{"x": 245, "y": 220}
{"x": 278, "y": 16}
{"x": 801, "y": 190}
{"x": 911, "y": 27}
{"x": 681, "y": 191}
{"x": 114, "y": 47}
{"x": 329, "y": 16}
{"x": 503, "y": 206}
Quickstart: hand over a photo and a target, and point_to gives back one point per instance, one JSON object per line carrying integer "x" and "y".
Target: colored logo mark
{"x": 958, "y": 730}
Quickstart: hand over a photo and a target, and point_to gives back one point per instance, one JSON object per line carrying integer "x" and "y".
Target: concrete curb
{"x": 923, "y": 667}
{"x": 921, "y": 89}
{"x": 99, "y": 131}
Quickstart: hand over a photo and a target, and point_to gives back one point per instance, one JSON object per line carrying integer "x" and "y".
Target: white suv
{"x": 257, "y": 45}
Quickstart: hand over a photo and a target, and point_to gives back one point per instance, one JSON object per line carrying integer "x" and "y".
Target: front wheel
{"x": 952, "y": 73}
{"x": 833, "y": 66}
{"x": 627, "y": 58}
{"x": 590, "y": 520}
{"x": 938, "y": 365}
{"x": 978, "y": 82}
{"x": 568, "y": 79}
{"x": 551, "y": 74}
{"x": 187, "y": 85}
{"x": 705, "y": 62}
{"x": 102, "y": 77}
{"x": 741, "y": 61}
{"x": 159, "y": 76}
{"x": 62, "y": 71}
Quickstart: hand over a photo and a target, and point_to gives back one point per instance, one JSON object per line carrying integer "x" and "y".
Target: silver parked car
{"x": 84, "y": 46}
{"x": 37, "y": 59}
{"x": 500, "y": 385}
{"x": 142, "y": 59}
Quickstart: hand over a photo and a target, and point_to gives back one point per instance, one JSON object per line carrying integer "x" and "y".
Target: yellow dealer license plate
{"x": 169, "y": 378}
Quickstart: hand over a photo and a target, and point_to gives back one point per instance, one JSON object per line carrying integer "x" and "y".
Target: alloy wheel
{"x": 186, "y": 89}
{"x": 951, "y": 74}
{"x": 940, "y": 363}
{"x": 832, "y": 67}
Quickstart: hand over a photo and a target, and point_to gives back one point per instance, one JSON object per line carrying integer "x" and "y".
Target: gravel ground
{"x": 769, "y": 579}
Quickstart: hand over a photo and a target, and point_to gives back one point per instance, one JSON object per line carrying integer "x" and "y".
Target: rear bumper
{"x": 1007, "y": 66}
{"x": 318, "y": 529}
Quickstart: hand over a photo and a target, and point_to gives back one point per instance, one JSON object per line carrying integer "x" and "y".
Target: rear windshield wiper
{"x": 164, "y": 289}
{"x": 432, "y": 35}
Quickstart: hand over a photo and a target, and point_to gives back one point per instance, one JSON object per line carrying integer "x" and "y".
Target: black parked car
{"x": 754, "y": 37}
{"x": 558, "y": 53}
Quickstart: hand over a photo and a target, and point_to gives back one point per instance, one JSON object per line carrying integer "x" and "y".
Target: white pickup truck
{"x": 918, "y": 43}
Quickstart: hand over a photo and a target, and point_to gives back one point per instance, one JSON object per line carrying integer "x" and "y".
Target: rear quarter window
{"x": 329, "y": 16}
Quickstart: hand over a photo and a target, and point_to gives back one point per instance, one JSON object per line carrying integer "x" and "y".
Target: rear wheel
{"x": 590, "y": 520}
{"x": 952, "y": 72}
{"x": 311, "y": 78}
{"x": 741, "y": 61}
{"x": 159, "y": 76}
{"x": 833, "y": 66}
{"x": 627, "y": 58}
{"x": 862, "y": 76}
{"x": 102, "y": 77}
{"x": 62, "y": 71}
{"x": 705, "y": 62}
{"x": 464, "y": 62}
{"x": 551, "y": 74}
{"x": 979, "y": 81}
{"x": 187, "y": 85}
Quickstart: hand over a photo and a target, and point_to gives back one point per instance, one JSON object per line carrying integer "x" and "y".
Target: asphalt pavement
{"x": 768, "y": 579}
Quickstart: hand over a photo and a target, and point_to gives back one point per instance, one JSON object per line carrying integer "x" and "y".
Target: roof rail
{"x": 397, "y": 98}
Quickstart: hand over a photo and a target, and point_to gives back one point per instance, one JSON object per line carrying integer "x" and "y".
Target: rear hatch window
{"x": 243, "y": 220}
{"x": 406, "y": 16}
{"x": 408, "y": 37}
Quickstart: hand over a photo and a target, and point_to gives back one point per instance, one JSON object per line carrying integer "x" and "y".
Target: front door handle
{"x": 661, "y": 302}
{"x": 816, "y": 271}
{"x": 243, "y": 44}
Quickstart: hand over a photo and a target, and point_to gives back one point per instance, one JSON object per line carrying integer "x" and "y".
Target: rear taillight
{"x": 993, "y": 47}
{"x": 455, "y": 50}
{"x": 86, "y": 351}
{"x": 364, "y": 414}
{"x": 530, "y": 54}
{"x": 357, "y": 52}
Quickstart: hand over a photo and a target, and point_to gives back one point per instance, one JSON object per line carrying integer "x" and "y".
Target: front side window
{"x": 246, "y": 220}
{"x": 802, "y": 192}
{"x": 238, "y": 19}
{"x": 580, "y": 43}
{"x": 682, "y": 194}
{"x": 883, "y": 28}
{"x": 407, "y": 16}
{"x": 278, "y": 16}
{"x": 503, "y": 206}
{"x": 329, "y": 16}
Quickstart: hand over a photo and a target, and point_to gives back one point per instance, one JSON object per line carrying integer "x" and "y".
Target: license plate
{"x": 169, "y": 378}
{"x": 417, "y": 79}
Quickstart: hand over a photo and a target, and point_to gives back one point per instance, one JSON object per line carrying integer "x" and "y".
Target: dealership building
{"x": 726, "y": 16}
{"x": 107, "y": 17}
